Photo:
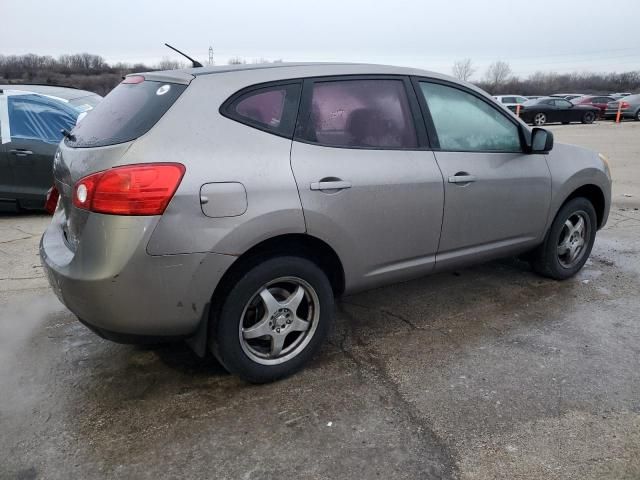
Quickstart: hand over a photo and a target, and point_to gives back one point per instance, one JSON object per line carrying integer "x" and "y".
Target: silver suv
{"x": 229, "y": 206}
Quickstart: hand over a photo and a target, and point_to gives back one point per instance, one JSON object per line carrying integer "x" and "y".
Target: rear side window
{"x": 464, "y": 122}
{"x": 128, "y": 112}
{"x": 271, "y": 108}
{"x": 360, "y": 113}
{"x": 36, "y": 117}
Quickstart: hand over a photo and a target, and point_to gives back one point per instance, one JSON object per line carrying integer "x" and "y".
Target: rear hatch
{"x": 102, "y": 138}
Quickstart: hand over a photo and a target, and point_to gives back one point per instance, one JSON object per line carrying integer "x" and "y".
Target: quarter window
{"x": 464, "y": 122}
{"x": 360, "y": 113}
{"x": 269, "y": 108}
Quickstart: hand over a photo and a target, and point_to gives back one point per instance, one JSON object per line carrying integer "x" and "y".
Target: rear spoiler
{"x": 168, "y": 76}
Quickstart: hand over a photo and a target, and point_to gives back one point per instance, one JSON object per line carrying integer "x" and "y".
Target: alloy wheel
{"x": 573, "y": 239}
{"x": 540, "y": 119}
{"x": 279, "y": 320}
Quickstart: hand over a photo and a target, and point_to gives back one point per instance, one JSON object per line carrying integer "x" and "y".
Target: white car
{"x": 510, "y": 101}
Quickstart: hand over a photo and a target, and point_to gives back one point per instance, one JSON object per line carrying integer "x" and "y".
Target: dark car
{"x": 599, "y": 101}
{"x": 629, "y": 108}
{"x": 551, "y": 109}
{"x": 32, "y": 118}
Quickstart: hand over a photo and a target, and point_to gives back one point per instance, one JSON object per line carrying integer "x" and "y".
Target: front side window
{"x": 464, "y": 122}
{"x": 271, "y": 108}
{"x": 360, "y": 113}
{"x": 35, "y": 117}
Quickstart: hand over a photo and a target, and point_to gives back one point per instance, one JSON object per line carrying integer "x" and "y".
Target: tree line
{"x": 499, "y": 79}
{"x": 92, "y": 72}
{"x": 80, "y": 70}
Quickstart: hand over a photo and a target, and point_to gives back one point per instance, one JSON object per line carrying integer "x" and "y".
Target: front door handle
{"x": 462, "y": 178}
{"x": 20, "y": 152}
{"x": 330, "y": 185}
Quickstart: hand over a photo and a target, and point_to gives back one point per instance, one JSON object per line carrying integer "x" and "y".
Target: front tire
{"x": 539, "y": 119}
{"x": 588, "y": 117}
{"x": 569, "y": 241}
{"x": 273, "y": 319}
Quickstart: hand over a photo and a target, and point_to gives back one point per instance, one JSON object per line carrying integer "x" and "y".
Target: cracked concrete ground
{"x": 486, "y": 372}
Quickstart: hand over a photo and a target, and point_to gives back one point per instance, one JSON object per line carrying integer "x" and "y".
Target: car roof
{"x": 65, "y": 93}
{"x": 285, "y": 70}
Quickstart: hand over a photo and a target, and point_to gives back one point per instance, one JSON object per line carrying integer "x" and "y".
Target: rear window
{"x": 128, "y": 112}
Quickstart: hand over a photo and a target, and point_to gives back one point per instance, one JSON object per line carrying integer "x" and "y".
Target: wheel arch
{"x": 300, "y": 244}
{"x": 594, "y": 194}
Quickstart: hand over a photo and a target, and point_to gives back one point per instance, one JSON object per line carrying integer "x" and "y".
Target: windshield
{"x": 128, "y": 112}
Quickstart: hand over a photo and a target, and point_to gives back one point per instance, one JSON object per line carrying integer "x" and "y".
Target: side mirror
{"x": 541, "y": 140}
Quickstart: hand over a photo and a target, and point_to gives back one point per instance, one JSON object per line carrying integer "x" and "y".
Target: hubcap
{"x": 573, "y": 240}
{"x": 279, "y": 320}
{"x": 539, "y": 119}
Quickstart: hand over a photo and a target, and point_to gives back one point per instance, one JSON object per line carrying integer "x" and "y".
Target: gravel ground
{"x": 486, "y": 372}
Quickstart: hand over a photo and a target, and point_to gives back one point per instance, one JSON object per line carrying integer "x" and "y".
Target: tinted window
{"x": 360, "y": 113}
{"x": 270, "y": 108}
{"x": 465, "y": 122}
{"x": 562, "y": 103}
{"x": 129, "y": 111}
{"x": 521, "y": 99}
{"x": 38, "y": 117}
{"x": 508, "y": 99}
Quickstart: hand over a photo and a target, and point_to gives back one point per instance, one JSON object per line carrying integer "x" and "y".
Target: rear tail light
{"x": 624, "y": 105}
{"x": 144, "y": 189}
{"x": 52, "y": 200}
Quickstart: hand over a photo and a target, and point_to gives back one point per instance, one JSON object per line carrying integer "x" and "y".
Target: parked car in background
{"x": 231, "y": 204}
{"x": 630, "y": 108}
{"x": 598, "y": 101}
{"x": 31, "y": 121}
{"x": 567, "y": 96}
{"x": 511, "y": 101}
{"x": 533, "y": 97}
{"x": 552, "y": 109}
{"x": 620, "y": 95}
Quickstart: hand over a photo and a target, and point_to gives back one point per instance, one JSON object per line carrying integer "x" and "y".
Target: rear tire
{"x": 273, "y": 319}
{"x": 637, "y": 117}
{"x": 588, "y": 117}
{"x": 569, "y": 241}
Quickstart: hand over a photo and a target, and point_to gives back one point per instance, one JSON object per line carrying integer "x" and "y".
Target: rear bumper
{"x": 114, "y": 286}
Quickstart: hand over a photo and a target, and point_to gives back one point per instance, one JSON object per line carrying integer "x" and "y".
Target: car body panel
{"x": 400, "y": 190}
{"x": 484, "y": 218}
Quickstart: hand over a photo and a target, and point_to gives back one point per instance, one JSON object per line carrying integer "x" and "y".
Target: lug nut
{"x": 278, "y": 330}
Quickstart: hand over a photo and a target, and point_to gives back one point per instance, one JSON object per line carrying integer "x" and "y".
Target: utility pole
{"x": 210, "y": 55}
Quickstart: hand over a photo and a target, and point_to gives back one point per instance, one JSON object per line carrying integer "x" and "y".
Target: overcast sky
{"x": 549, "y": 35}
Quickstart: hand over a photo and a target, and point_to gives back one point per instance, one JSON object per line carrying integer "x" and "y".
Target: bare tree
{"x": 237, "y": 61}
{"x": 497, "y": 73}
{"x": 463, "y": 69}
{"x": 167, "y": 64}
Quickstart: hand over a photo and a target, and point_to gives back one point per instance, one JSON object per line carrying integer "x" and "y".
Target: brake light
{"x": 624, "y": 105}
{"x": 52, "y": 200}
{"x": 144, "y": 189}
{"x": 133, "y": 79}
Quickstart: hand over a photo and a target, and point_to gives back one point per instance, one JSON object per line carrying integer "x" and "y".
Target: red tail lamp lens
{"x": 130, "y": 190}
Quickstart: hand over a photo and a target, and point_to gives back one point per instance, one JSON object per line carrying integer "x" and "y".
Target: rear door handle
{"x": 20, "y": 153}
{"x": 462, "y": 179}
{"x": 331, "y": 185}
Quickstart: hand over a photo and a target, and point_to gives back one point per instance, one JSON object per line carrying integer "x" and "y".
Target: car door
{"x": 496, "y": 196}
{"x": 36, "y": 123}
{"x": 369, "y": 185}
